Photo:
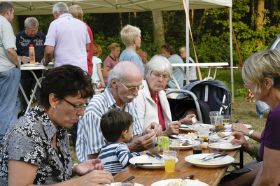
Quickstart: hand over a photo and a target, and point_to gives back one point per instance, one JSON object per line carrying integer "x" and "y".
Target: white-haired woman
{"x": 152, "y": 103}
{"x": 131, "y": 38}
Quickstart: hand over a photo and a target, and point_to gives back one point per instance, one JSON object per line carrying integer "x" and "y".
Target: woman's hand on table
{"x": 96, "y": 177}
{"x": 87, "y": 166}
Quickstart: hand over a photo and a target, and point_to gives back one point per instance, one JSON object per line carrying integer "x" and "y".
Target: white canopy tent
{"x": 41, "y": 7}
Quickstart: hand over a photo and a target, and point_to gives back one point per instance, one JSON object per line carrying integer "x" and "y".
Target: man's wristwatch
{"x": 250, "y": 133}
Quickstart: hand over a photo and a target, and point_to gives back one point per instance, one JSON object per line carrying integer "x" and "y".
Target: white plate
{"x": 248, "y": 126}
{"x": 217, "y": 137}
{"x": 157, "y": 163}
{"x": 119, "y": 184}
{"x": 223, "y": 146}
{"x": 171, "y": 181}
{"x": 217, "y": 162}
{"x": 188, "y": 136}
{"x": 181, "y": 146}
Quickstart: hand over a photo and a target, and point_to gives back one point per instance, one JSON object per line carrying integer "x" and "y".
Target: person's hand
{"x": 24, "y": 59}
{"x": 239, "y": 127}
{"x": 146, "y": 141}
{"x": 188, "y": 119}
{"x": 87, "y": 166}
{"x": 96, "y": 177}
{"x": 173, "y": 128}
{"x": 44, "y": 62}
{"x": 239, "y": 139}
{"x": 102, "y": 85}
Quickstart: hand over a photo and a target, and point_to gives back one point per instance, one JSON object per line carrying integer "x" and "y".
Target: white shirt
{"x": 69, "y": 37}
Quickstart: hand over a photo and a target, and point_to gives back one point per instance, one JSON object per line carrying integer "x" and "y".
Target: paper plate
{"x": 196, "y": 160}
{"x": 182, "y": 145}
{"x": 155, "y": 163}
{"x": 223, "y": 146}
{"x": 175, "y": 182}
{"x": 224, "y": 136}
{"x": 120, "y": 184}
{"x": 188, "y": 136}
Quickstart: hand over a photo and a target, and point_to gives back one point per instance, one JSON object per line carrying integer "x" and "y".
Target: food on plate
{"x": 204, "y": 145}
{"x": 221, "y": 134}
{"x": 218, "y": 127}
{"x": 177, "y": 183}
{"x": 192, "y": 135}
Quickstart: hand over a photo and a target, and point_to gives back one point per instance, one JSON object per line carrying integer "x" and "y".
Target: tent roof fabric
{"x": 41, "y": 7}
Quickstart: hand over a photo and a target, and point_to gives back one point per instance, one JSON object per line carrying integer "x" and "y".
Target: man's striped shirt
{"x": 89, "y": 135}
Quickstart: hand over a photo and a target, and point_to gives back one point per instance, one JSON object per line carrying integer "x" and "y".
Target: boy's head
{"x": 115, "y": 126}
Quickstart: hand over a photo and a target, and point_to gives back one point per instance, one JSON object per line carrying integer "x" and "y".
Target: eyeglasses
{"x": 132, "y": 88}
{"x": 76, "y": 107}
{"x": 159, "y": 75}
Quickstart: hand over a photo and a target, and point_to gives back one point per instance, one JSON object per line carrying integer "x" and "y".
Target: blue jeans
{"x": 9, "y": 85}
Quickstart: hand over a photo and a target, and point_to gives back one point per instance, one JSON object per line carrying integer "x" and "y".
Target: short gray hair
{"x": 5, "y": 6}
{"x": 128, "y": 33}
{"x": 31, "y": 22}
{"x": 60, "y": 8}
{"x": 158, "y": 63}
{"x": 122, "y": 70}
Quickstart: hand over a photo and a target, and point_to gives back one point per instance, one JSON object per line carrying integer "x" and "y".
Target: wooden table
{"x": 211, "y": 176}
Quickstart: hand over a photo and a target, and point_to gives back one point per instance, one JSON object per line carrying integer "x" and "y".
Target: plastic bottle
{"x": 31, "y": 54}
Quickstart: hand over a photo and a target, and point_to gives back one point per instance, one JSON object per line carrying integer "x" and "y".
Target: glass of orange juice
{"x": 169, "y": 160}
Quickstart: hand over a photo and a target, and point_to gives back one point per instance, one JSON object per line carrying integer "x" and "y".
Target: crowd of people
{"x": 117, "y": 124}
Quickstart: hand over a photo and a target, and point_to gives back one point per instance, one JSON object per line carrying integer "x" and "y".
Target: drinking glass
{"x": 169, "y": 161}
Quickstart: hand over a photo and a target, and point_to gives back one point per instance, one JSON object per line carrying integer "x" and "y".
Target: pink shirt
{"x": 109, "y": 62}
{"x": 69, "y": 37}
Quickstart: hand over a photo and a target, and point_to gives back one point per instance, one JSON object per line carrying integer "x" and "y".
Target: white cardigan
{"x": 147, "y": 109}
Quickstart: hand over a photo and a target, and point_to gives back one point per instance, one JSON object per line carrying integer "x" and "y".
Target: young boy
{"x": 116, "y": 127}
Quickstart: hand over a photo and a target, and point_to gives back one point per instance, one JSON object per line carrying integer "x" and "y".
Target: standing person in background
{"x": 67, "y": 40}
{"x": 97, "y": 76}
{"x": 192, "y": 70}
{"x": 131, "y": 38}
{"x": 143, "y": 54}
{"x": 77, "y": 12}
{"x": 178, "y": 74}
{"x": 111, "y": 60}
{"x": 29, "y": 36}
{"x": 9, "y": 73}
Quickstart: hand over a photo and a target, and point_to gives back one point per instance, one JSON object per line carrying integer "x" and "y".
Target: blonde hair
{"x": 76, "y": 11}
{"x": 113, "y": 46}
{"x": 158, "y": 63}
{"x": 128, "y": 34}
{"x": 97, "y": 50}
{"x": 262, "y": 65}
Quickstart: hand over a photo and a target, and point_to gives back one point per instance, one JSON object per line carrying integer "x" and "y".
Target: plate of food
{"x": 190, "y": 135}
{"x": 183, "y": 144}
{"x": 148, "y": 162}
{"x": 31, "y": 64}
{"x": 224, "y": 146}
{"x": 248, "y": 126}
{"x": 187, "y": 128}
{"x": 179, "y": 182}
{"x": 209, "y": 160}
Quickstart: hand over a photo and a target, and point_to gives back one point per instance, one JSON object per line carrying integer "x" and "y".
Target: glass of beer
{"x": 169, "y": 161}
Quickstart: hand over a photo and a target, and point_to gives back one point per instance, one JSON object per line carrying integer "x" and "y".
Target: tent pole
{"x": 187, "y": 9}
{"x": 231, "y": 54}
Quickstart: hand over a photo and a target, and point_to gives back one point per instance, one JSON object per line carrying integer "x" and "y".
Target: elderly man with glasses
{"x": 124, "y": 82}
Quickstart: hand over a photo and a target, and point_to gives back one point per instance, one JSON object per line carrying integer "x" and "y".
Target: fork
{"x": 213, "y": 156}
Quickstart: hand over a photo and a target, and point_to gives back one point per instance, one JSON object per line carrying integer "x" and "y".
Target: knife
{"x": 139, "y": 164}
{"x": 157, "y": 156}
{"x": 128, "y": 179}
{"x": 207, "y": 158}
